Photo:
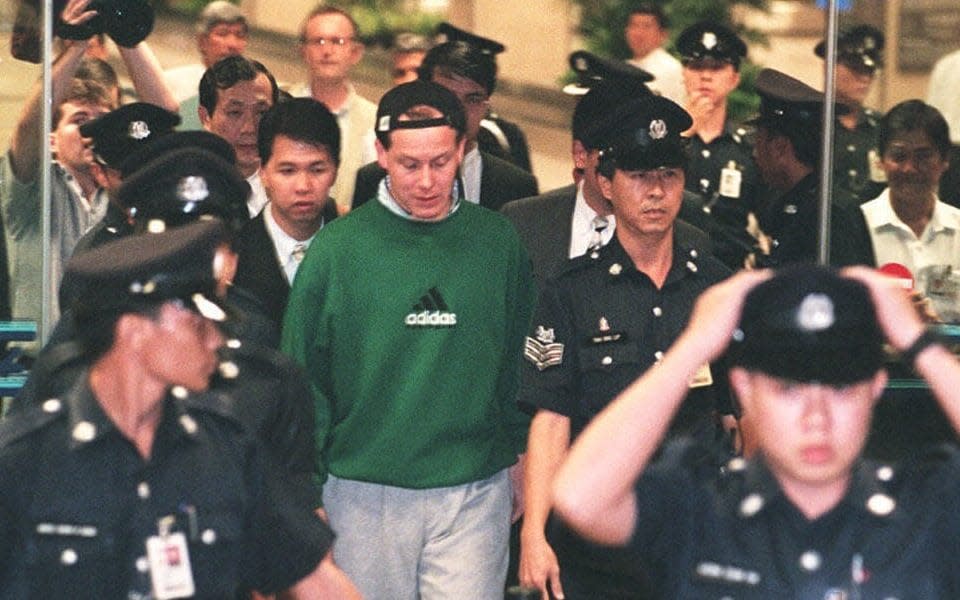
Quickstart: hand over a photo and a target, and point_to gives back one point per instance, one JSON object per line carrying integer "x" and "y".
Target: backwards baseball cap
{"x": 859, "y": 47}
{"x": 705, "y": 41}
{"x": 141, "y": 271}
{"x": 392, "y": 112}
{"x": 807, "y": 323}
{"x": 644, "y": 134}
{"x": 123, "y": 131}
{"x": 183, "y": 186}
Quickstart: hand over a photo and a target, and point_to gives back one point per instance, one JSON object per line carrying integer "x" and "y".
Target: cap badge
{"x": 192, "y": 189}
{"x": 815, "y": 313}
{"x": 139, "y": 130}
{"x": 658, "y": 129}
{"x": 709, "y": 40}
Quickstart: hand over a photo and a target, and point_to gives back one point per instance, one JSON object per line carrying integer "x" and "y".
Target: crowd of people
{"x": 311, "y": 345}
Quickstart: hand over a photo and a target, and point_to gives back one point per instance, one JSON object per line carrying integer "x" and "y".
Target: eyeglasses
{"x": 338, "y": 42}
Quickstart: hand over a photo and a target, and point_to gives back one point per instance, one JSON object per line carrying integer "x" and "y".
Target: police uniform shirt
{"x": 602, "y": 323}
{"x": 78, "y": 503}
{"x": 856, "y": 157}
{"x": 895, "y": 534}
{"x": 730, "y": 200}
{"x": 792, "y": 224}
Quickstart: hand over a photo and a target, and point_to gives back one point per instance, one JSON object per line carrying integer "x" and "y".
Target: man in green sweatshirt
{"x": 409, "y": 316}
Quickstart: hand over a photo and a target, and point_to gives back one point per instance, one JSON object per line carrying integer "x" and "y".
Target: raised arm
{"x": 902, "y": 325}
{"x": 28, "y": 141}
{"x": 593, "y": 491}
{"x": 147, "y": 76}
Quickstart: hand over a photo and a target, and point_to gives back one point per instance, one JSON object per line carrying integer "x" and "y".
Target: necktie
{"x": 299, "y": 250}
{"x": 596, "y": 240}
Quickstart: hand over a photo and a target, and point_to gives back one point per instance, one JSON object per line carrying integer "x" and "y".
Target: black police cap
{"x": 645, "y": 134}
{"x": 122, "y": 132}
{"x": 145, "y": 270}
{"x": 128, "y": 22}
{"x": 859, "y": 46}
{"x": 591, "y": 70}
{"x": 177, "y": 140}
{"x": 450, "y": 33}
{"x": 809, "y": 324}
{"x": 400, "y": 99}
{"x": 183, "y": 186}
{"x": 788, "y": 103}
{"x": 706, "y": 40}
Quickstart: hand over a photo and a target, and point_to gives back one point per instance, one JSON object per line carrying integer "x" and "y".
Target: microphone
{"x": 899, "y": 272}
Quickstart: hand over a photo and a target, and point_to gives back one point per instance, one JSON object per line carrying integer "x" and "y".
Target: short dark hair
{"x": 915, "y": 115}
{"x": 228, "y": 72}
{"x": 463, "y": 60}
{"x": 323, "y": 10}
{"x": 302, "y": 119}
{"x": 652, "y": 9}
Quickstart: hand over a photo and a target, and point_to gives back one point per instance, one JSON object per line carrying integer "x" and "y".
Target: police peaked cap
{"x": 450, "y": 33}
{"x": 860, "y": 46}
{"x": 178, "y": 140}
{"x": 591, "y": 69}
{"x": 788, "y": 102}
{"x": 645, "y": 134}
{"x": 183, "y": 186}
{"x": 807, "y": 323}
{"x": 123, "y": 131}
{"x": 707, "y": 40}
{"x": 140, "y": 271}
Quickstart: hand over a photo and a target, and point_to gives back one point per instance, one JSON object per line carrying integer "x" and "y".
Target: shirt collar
{"x": 685, "y": 261}
{"x": 282, "y": 242}
{"x": 581, "y": 225}
{"x": 385, "y": 198}
{"x": 88, "y": 422}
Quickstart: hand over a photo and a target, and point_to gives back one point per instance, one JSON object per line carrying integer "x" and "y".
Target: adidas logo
{"x": 431, "y": 311}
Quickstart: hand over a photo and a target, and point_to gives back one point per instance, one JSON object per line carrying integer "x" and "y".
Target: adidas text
{"x": 431, "y": 319}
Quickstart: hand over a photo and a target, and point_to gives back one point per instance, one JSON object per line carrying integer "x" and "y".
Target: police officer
{"x": 115, "y": 136}
{"x": 806, "y": 516}
{"x": 603, "y": 321}
{"x": 264, "y": 387}
{"x": 856, "y": 157}
{"x": 721, "y": 167}
{"x": 134, "y": 483}
{"x": 787, "y": 153}
{"x": 498, "y": 136}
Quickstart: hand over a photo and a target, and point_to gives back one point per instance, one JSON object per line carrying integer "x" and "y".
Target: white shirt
{"x": 258, "y": 195}
{"x": 470, "y": 171}
{"x": 284, "y": 245}
{"x": 668, "y": 73}
{"x": 944, "y": 91}
{"x": 934, "y": 254}
{"x": 582, "y": 229}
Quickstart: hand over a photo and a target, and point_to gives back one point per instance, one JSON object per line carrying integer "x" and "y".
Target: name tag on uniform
{"x": 730, "y": 180}
{"x": 170, "y": 573}
{"x": 703, "y": 377}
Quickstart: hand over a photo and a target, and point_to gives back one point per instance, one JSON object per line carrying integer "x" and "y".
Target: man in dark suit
{"x": 562, "y": 224}
{"x": 299, "y": 146}
{"x": 470, "y": 73}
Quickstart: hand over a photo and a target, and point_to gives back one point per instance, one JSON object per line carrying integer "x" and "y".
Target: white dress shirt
{"x": 258, "y": 195}
{"x": 285, "y": 246}
{"x": 582, "y": 229}
{"x": 470, "y": 171}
